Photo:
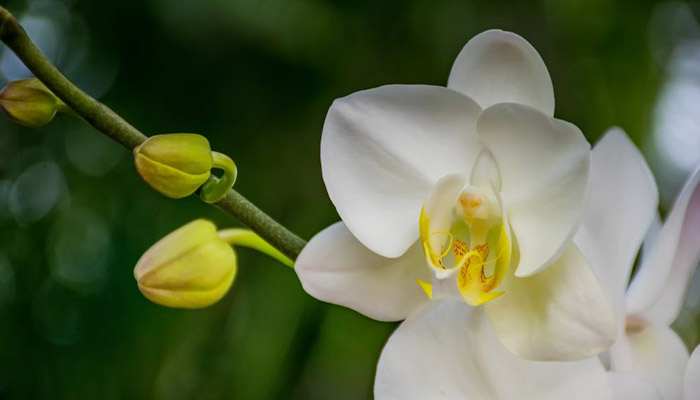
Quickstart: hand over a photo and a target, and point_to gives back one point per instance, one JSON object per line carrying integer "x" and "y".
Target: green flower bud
{"x": 177, "y": 164}
{"x": 189, "y": 268}
{"x": 29, "y": 102}
{"x": 174, "y": 165}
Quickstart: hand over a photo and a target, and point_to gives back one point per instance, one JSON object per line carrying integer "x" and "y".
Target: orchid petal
{"x": 485, "y": 172}
{"x": 381, "y": 151}
{"x": 544, "y": 167}
{"x": 655, "y": 354}
{"x": 560, "y": 314}
{"x": 691, "y": 389}
{"x": 629, "y": 387}
{"x": 621, "y": 206}
{"x": 336, "y": 268}
{"x": 502, "y": 67}
{"x": 450, "y": 352}
{"x": 658, "y": 290}
{"x": 651, "y": 237}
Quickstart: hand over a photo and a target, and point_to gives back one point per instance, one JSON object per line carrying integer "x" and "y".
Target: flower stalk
{"x": 214, "y": 190}
{"x": 245, "y": 238}
{"x": 102, "y": 118}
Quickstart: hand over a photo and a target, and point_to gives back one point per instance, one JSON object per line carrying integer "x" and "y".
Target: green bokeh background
{"x": 256, "y": 77}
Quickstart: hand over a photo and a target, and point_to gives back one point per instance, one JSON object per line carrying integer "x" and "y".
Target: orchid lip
{"x": 469, "y": 244}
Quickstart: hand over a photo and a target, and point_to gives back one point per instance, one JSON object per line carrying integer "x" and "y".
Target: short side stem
{"x": 247, "y": 238}
{"x": 214, "y": 190}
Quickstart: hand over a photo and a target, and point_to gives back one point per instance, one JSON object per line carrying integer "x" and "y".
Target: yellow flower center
{"x": 475, "y": 251}
{"x": 471, "y": 204}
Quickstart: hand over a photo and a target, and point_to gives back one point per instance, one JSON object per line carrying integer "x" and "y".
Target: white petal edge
{"x": 651, "y": 237}
{"x": 383, "y": 148}
{"x": 544, "y": 165}
{"x": 629, "y": 387}
{"x": 658, "y": 289}
{"x": 560, "y": 314}
{"x": 336, "y": 268}
{"x": 621, "y": 205}
{"x": 502, "y": 67}
{"x": 691, "y": 389}
{"x": 655, "y": 354}
{"x": 450, "y": 352}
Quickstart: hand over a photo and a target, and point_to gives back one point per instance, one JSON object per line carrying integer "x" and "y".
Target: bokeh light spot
{"x": 36, "y": 192}
{"x": 92, "y": 154}
{"x": 79, "y": 249}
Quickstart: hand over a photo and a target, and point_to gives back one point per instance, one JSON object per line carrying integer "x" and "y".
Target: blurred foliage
{"x": 256, "y": 77}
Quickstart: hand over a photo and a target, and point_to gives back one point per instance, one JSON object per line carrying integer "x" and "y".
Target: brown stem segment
{"x": 111, "y": 124}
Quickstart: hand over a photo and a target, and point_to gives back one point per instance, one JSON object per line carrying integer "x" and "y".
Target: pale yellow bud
{"x": 176, "y": 164}
{"x": 192, "y": 267}
{"x": 29, "y": 102}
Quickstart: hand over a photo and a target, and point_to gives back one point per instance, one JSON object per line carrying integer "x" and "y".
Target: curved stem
{"x": 111, "y": 124}
{"x": 214, "y": 190}
{"x": 247, "y": 238}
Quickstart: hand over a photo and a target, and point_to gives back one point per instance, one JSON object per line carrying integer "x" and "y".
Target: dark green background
{"x": 256, "y": 77}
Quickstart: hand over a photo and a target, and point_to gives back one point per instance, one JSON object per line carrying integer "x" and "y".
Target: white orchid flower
{"x": 473, "y": 192}
{"x": 630, "y": 387}
{"x": 621, "y": 208}
{"x": 450, "y": 352}
{"x": 626, "y": 386}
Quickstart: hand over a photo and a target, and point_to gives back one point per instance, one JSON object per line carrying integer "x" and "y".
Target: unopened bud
{"x": 191, "y": 267}
{"x": 177, "y": 164}
{"x": 29, "y": 102}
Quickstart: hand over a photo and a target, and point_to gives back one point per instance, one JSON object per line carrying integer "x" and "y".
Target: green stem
{"x": 246, "y": 238}
{"x": 111, "y": 124}
{"x": 214, "y": 190}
